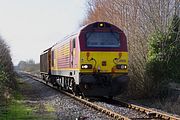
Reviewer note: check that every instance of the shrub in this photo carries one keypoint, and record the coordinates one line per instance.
(164, 59)
(7, 80)
(3, 79)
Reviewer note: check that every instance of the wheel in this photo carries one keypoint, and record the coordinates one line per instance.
(74, 89)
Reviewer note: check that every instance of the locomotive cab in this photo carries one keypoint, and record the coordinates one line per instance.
(103, 60)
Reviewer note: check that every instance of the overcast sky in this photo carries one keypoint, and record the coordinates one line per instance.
(31, 26)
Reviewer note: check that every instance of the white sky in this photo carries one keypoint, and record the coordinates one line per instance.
(31, 26)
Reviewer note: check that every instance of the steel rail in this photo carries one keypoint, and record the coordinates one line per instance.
(148, 111)
(110, 113)
(151, 113)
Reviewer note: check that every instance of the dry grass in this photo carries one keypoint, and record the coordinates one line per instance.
(169, 104)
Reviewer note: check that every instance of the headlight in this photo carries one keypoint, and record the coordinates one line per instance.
(123, 67)
(86, 66)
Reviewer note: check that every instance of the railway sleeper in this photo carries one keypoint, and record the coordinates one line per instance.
(151, 114)
(116, 116)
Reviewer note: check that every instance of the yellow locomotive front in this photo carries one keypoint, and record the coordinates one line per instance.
(103, 60)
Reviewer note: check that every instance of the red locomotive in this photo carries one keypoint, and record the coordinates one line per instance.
(92, 62)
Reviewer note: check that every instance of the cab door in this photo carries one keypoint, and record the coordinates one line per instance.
(73, 53)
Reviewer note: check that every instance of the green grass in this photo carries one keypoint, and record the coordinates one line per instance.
(49, 108)
(18, 109)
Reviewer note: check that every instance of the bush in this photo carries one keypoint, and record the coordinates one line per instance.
(3, 79)
(7, 80)
(164, 59)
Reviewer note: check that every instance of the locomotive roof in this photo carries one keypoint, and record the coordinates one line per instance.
(80, 29)
(84, 26)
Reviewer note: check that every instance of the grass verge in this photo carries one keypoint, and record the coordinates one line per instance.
(18, 109)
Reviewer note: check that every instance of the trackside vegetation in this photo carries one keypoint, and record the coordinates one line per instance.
(17, 109)
(9, 107)
(14, 110)
(164, 58)
(7, 79)
(12, 104)
(152, 30)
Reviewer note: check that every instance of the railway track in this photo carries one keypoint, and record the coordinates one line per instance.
(147, 113)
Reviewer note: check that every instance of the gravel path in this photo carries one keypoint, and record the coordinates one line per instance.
(59, 105)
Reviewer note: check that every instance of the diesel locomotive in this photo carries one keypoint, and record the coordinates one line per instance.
(91, 62)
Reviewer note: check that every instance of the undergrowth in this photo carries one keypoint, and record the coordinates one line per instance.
(17, 109)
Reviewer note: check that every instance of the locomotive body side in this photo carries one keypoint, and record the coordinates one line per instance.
(65, 62)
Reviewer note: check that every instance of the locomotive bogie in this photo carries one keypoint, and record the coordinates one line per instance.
(103, 84)
(68, 73)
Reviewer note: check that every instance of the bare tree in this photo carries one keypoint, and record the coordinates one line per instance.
(139, 19)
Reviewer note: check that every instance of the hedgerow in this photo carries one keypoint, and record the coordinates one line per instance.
(7, 80)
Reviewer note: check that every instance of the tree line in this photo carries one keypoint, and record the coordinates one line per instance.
(29, 66)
